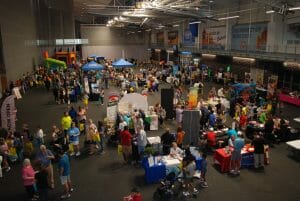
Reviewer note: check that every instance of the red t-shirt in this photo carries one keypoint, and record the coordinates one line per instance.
(137, 197)
(211, 138)
(125, 138)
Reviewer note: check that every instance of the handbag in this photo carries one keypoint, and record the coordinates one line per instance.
(120, 149)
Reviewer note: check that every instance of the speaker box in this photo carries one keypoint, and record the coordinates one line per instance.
(191, 126)
(167, 96)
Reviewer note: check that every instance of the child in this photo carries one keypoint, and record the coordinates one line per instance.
(203, 171)
(85, 101)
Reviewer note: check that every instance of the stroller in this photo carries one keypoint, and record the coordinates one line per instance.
(166, 192)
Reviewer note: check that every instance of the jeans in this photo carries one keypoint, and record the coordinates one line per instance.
(30, 191)
(43, 194)
(258, 160)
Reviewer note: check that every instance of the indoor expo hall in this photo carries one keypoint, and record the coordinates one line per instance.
(141, 100)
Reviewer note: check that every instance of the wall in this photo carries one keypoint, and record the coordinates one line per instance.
(25, 22)
(109, 42)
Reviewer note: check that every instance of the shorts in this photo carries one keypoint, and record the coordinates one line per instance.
(65, 179)
(236, 155)
(75, 142)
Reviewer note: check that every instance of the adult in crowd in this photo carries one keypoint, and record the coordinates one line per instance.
(73, 134)
(180, 136)
(41, 178)
(73, 114)
(64, 172)
(175, 151)
(259, 148)
(44, 156)
(141, 142)
(189, 171)
(203, 171)
(81, 119)
(4, 154)
(66, 122)
(269, 131)
(92, 131)
(166, 140)
(126, 140)
(212, 119)
(236, 156)
(211, 139)
(28, 175)
(39, 137)
(179, 114)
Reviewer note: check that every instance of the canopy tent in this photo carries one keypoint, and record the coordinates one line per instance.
(132, 101)
(92, 65)
(55, 64)
(93, 56)
(121, 63)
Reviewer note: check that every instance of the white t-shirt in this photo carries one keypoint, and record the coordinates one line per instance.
(176, 151)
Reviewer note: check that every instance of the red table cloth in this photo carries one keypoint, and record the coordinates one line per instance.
(289, 99)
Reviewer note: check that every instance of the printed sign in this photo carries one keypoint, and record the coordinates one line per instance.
(8, 113)
(214, 38)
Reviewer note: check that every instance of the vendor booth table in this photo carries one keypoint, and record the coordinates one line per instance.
(222, 158)
(155, 143)
(294, 148)
(157, 168)
(289, 99)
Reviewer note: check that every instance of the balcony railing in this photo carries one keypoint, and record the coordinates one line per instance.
(276, 52)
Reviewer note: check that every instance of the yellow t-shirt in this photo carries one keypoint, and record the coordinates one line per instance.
(66, 122)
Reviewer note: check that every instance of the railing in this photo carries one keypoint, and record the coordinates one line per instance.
(276, 52)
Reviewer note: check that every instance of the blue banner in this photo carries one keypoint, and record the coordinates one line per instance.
(190, 34)
(256, 41)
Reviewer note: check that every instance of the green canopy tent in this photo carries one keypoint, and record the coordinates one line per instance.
(55, 64)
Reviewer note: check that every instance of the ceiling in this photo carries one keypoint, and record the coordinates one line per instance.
(160, 13)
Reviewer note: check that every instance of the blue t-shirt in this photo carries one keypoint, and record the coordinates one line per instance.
(232, 132)
(74, 134)
(238, 144)
(64, 163)
(43, 157)
(212, 120)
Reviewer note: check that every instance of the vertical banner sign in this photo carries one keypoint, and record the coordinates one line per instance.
(272, 85)
(173, 38)
(193, 97)
(190, 34)
(257, 39)
(214, 38)
(8, 114)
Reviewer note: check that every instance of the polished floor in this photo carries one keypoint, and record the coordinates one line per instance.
(105, 178)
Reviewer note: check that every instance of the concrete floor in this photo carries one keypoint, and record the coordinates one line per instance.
(105, 178)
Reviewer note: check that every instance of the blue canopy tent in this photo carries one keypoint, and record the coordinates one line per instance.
(92, 65)
(121, 63)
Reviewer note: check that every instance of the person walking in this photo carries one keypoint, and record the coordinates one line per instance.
(73, 134)
(236, 156)
(141, 142)
(166, 140)
(66, 122)
(126, 140)
(28, 176)
(45, 156)
(64, 172)
(259, 148)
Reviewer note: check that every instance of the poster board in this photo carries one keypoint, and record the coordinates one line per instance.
(258, 77)
(214, 38)
(272, 85)
(9, 114)
(173, 37)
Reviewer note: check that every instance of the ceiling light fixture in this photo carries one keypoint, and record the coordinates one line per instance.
(295, 8)
(244, 59)
(148, 30)
(196, 22)
(231, 17)
(175, 25)
(270, 11)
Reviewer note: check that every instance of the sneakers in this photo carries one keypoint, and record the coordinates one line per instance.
(7, 169)
(204, 185)
(72, 154)
(77, 154)
(71, 190)
(66, 196)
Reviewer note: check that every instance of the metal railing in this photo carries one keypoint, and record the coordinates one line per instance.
(276, 52)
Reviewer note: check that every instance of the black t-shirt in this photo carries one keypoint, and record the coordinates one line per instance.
(41, 179)
(258, 144)
(269, 126)
(167, 139)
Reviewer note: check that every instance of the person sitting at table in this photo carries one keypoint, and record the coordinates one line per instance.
(166, 140)
(175, 151)
(236, 156)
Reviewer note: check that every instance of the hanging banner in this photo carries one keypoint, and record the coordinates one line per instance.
(272, 85)
(190, 34)
(175, 69)
(214, 38)
(8, 114)
(160, 37)
(193, 97)
(257, 40)
(173, 38)
(257, 75)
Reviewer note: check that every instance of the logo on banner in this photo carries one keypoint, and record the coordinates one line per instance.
(8, 114)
